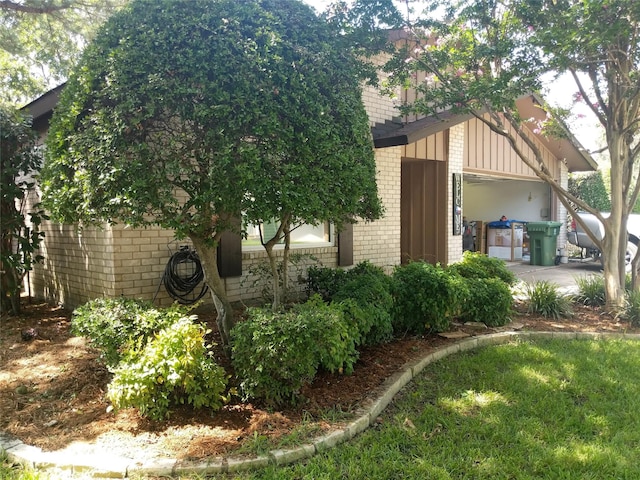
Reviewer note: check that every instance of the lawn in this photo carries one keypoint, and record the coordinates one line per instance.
(552, 409)
(524, 410)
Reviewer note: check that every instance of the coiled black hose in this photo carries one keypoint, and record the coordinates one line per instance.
(182, 275)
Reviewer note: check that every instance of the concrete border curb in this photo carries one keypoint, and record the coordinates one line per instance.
(105, 466)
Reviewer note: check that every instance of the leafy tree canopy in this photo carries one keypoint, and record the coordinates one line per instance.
(40, 41)
(212, 102)
(591, 189)
(188, 113)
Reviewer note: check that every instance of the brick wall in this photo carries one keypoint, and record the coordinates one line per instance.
(379, 241)
(455, 165)
(561, 211)
(78, 265)
(379, 108)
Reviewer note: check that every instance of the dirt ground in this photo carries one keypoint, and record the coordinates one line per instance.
(52, 391)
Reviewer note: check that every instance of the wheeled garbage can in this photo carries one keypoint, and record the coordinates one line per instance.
(543, 237)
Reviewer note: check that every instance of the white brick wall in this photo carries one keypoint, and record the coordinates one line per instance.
(379, 108)
(455, 164)
(379, 241)
(561, 211)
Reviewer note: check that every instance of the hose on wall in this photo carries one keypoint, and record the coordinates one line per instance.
(182, 275)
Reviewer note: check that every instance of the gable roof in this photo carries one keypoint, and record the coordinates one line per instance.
(42, 107)
(394, 133)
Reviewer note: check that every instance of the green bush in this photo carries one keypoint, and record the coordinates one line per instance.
(591, 290)
(112, 324)
(276, 354)
(425, 298)
(370, 289)
(489, 300)
(172, 368)
(325, 281)
(544, 298)
(479, 265)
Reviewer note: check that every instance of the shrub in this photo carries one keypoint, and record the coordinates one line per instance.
(591, 290)
(368, 303)
(112, 324)
(324, 281)
(367, 268)
(489, 300)
(172, 368)
(260, 278)
(425, 298)
(544, 298)
(632, 307)
(276, 354)
(327, 281)
(479, 265)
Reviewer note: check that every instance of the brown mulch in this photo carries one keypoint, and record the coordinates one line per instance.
(52, 391)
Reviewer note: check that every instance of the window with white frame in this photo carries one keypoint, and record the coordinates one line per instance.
(301, 236)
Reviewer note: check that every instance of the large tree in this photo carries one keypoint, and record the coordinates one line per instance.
(18, 244)
(480, 56)
(189, 114)
(40, 41)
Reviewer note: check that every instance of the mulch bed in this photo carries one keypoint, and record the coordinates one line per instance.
(52, 390)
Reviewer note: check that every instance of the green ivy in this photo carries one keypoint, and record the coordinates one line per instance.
(174, 368)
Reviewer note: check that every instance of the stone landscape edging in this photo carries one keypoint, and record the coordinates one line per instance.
(105, 466)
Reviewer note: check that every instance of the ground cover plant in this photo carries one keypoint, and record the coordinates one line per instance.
(540, 409)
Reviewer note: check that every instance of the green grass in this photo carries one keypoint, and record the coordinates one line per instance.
(552, 409)
(9, 471)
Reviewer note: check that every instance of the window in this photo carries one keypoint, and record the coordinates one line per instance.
(302, 236)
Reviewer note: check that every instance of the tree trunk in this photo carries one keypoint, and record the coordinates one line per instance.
(285, 263)
(209, 259)
(615, 240)
(275, 280)
(273, 263)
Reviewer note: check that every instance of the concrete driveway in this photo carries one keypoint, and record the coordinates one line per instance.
(564, 274)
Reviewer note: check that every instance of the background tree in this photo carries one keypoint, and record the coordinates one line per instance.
(191, 113)
(18, 244)
(40, 41)
(591, 189)
(487, 53)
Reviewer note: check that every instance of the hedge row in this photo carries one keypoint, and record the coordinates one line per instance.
(276, 354)
(159, 357)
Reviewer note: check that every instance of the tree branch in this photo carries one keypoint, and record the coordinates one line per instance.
(43, 9)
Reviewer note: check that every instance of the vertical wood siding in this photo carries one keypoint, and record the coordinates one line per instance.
(488, 152)
(434, 147)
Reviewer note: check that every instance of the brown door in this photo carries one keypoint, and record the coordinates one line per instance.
(423, 211)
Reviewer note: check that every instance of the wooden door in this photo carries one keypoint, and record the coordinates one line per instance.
(423, 211)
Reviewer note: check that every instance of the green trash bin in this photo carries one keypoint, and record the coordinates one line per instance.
(543, 237)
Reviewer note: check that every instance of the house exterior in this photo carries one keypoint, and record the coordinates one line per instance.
(431, 172)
